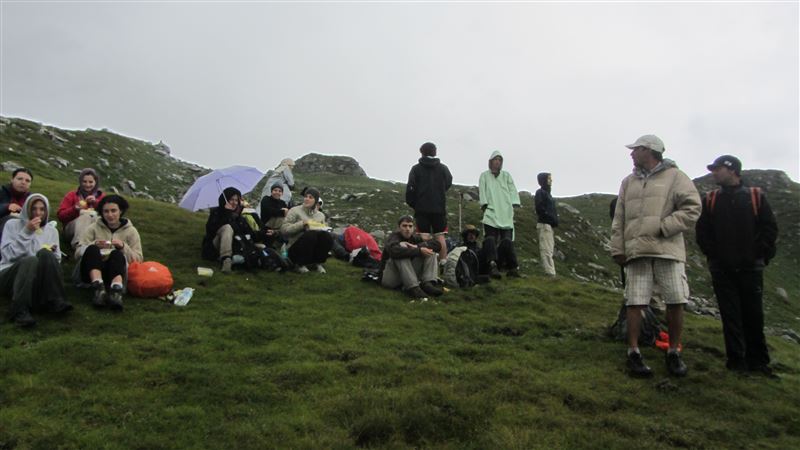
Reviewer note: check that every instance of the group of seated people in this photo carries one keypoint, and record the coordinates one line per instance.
(104, 242)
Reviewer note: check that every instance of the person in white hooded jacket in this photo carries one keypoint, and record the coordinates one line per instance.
(30, 269)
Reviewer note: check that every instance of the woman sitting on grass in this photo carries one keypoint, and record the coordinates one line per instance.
(77, 210)
(309, 240)
(273, 213)
(106, 249)
(30, 269)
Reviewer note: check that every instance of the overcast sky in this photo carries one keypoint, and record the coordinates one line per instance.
(555, 87)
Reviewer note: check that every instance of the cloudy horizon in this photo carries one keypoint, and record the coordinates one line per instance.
(555, 87)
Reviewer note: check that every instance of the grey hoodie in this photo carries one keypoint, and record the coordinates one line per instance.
(19, 242)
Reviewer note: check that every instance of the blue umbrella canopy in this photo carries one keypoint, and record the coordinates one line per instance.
(205, 191)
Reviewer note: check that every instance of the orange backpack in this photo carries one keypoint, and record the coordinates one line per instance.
(149, 279)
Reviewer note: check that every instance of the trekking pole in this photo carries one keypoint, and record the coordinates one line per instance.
(460, 201)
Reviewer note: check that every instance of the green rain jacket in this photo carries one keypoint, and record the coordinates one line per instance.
(499, 194)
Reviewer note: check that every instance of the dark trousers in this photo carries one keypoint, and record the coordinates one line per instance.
(739, 295)
(311, 248)
(114, 265)
(34, 282)
(504, 255)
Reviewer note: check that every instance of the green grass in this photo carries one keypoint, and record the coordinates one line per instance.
(263, 360)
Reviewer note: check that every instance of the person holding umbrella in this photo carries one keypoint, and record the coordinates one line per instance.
(223, 223)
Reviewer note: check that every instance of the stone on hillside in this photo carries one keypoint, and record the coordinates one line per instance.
(113, 188)
(162, 148)
(104, 162)
(339, 165)
(470, 196)
(172, 199)
(5, 121)
(378, 235)
(196, 169)
(782, 293)
(61, 162)
(10, 166)
(559, 255)
(105, 151)
(569, 208)
(43, 162)
(128, 187)
(131, 162)
(597, 267)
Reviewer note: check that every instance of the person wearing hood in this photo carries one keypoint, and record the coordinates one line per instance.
(656, 204)
(14, 194)
(283, 176)
(77, 210)
(273, 212)
(305, 228)
(426, 190)
(224, 222)
(30, 269)
(498, 198)
(106, 249)
(547, 220)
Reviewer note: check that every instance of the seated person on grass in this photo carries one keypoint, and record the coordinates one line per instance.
(106, 249)
(14, 194)
(273, 212)
(309, 239)
(491, 255)
(410, 261)
(223, 223)
(30, 269)
(77, 210)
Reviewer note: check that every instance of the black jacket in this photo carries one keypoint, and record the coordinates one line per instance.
(272, 208)
(427, 186)
(6, 196)
(393, 248)
(732, 236)
(545, 204)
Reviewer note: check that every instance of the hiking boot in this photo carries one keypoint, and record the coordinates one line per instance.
(60, 307)
(494, 272)
(99, 295)
(227, 266)
(637, 367)
(114, 299)
(321, 269)
(301, 269)
(675, 365)
(24, 319)
(416, 292)
(514, 273)
(431, 289)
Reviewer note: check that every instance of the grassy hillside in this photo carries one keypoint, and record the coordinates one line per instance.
(264, 360)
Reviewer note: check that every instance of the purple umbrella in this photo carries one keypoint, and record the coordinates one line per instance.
(204, 193)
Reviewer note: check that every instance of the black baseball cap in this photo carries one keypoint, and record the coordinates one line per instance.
(729, 161)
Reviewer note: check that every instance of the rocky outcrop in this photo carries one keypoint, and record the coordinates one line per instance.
(339, 165)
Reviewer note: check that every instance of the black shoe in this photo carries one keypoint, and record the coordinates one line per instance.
(431, 289)
(637, 367)
(514, 273)
(675, 365)
(114, 298)
(60, 307)
(416, 292)
(766, 371)
(99, 295)
(24, 319)
(494, 272)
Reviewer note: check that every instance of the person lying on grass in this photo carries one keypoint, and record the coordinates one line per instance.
(30, 269)
(106, 249)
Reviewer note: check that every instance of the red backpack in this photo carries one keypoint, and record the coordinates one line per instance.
(755, 199)
(149, 279)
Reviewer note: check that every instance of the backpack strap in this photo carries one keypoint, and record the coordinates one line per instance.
(711, 200)
(755, 199)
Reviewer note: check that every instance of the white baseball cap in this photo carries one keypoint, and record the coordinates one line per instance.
(650, 141)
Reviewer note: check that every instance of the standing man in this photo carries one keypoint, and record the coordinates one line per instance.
(737, 232)
(426, 191)
(498, 198)
(548, 219)
(656, 204)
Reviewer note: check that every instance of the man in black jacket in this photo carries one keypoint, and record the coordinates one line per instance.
(223, 223)
(548, 219)
(427, 187)
(737, 233)
(408, 259)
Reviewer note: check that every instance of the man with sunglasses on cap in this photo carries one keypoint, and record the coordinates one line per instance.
(656, 204)
(737, 233)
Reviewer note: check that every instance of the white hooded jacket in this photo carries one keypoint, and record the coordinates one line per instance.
(19, 242)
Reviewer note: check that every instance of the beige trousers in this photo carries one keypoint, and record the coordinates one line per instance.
(223, 241)
(408, 272)
(546, 246)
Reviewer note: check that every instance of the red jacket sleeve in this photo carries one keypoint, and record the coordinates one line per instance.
(66, 211)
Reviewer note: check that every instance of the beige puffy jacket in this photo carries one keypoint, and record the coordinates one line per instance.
(653, 212)
(293, 226)
(98, 231)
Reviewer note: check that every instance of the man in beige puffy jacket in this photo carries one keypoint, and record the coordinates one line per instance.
(657, 203)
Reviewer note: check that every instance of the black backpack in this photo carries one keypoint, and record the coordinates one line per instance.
(651, 326)
(244, 246)
(461, 268)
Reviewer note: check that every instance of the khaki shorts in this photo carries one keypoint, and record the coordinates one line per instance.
(643, 274)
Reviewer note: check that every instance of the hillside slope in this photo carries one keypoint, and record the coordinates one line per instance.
(263, 360)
